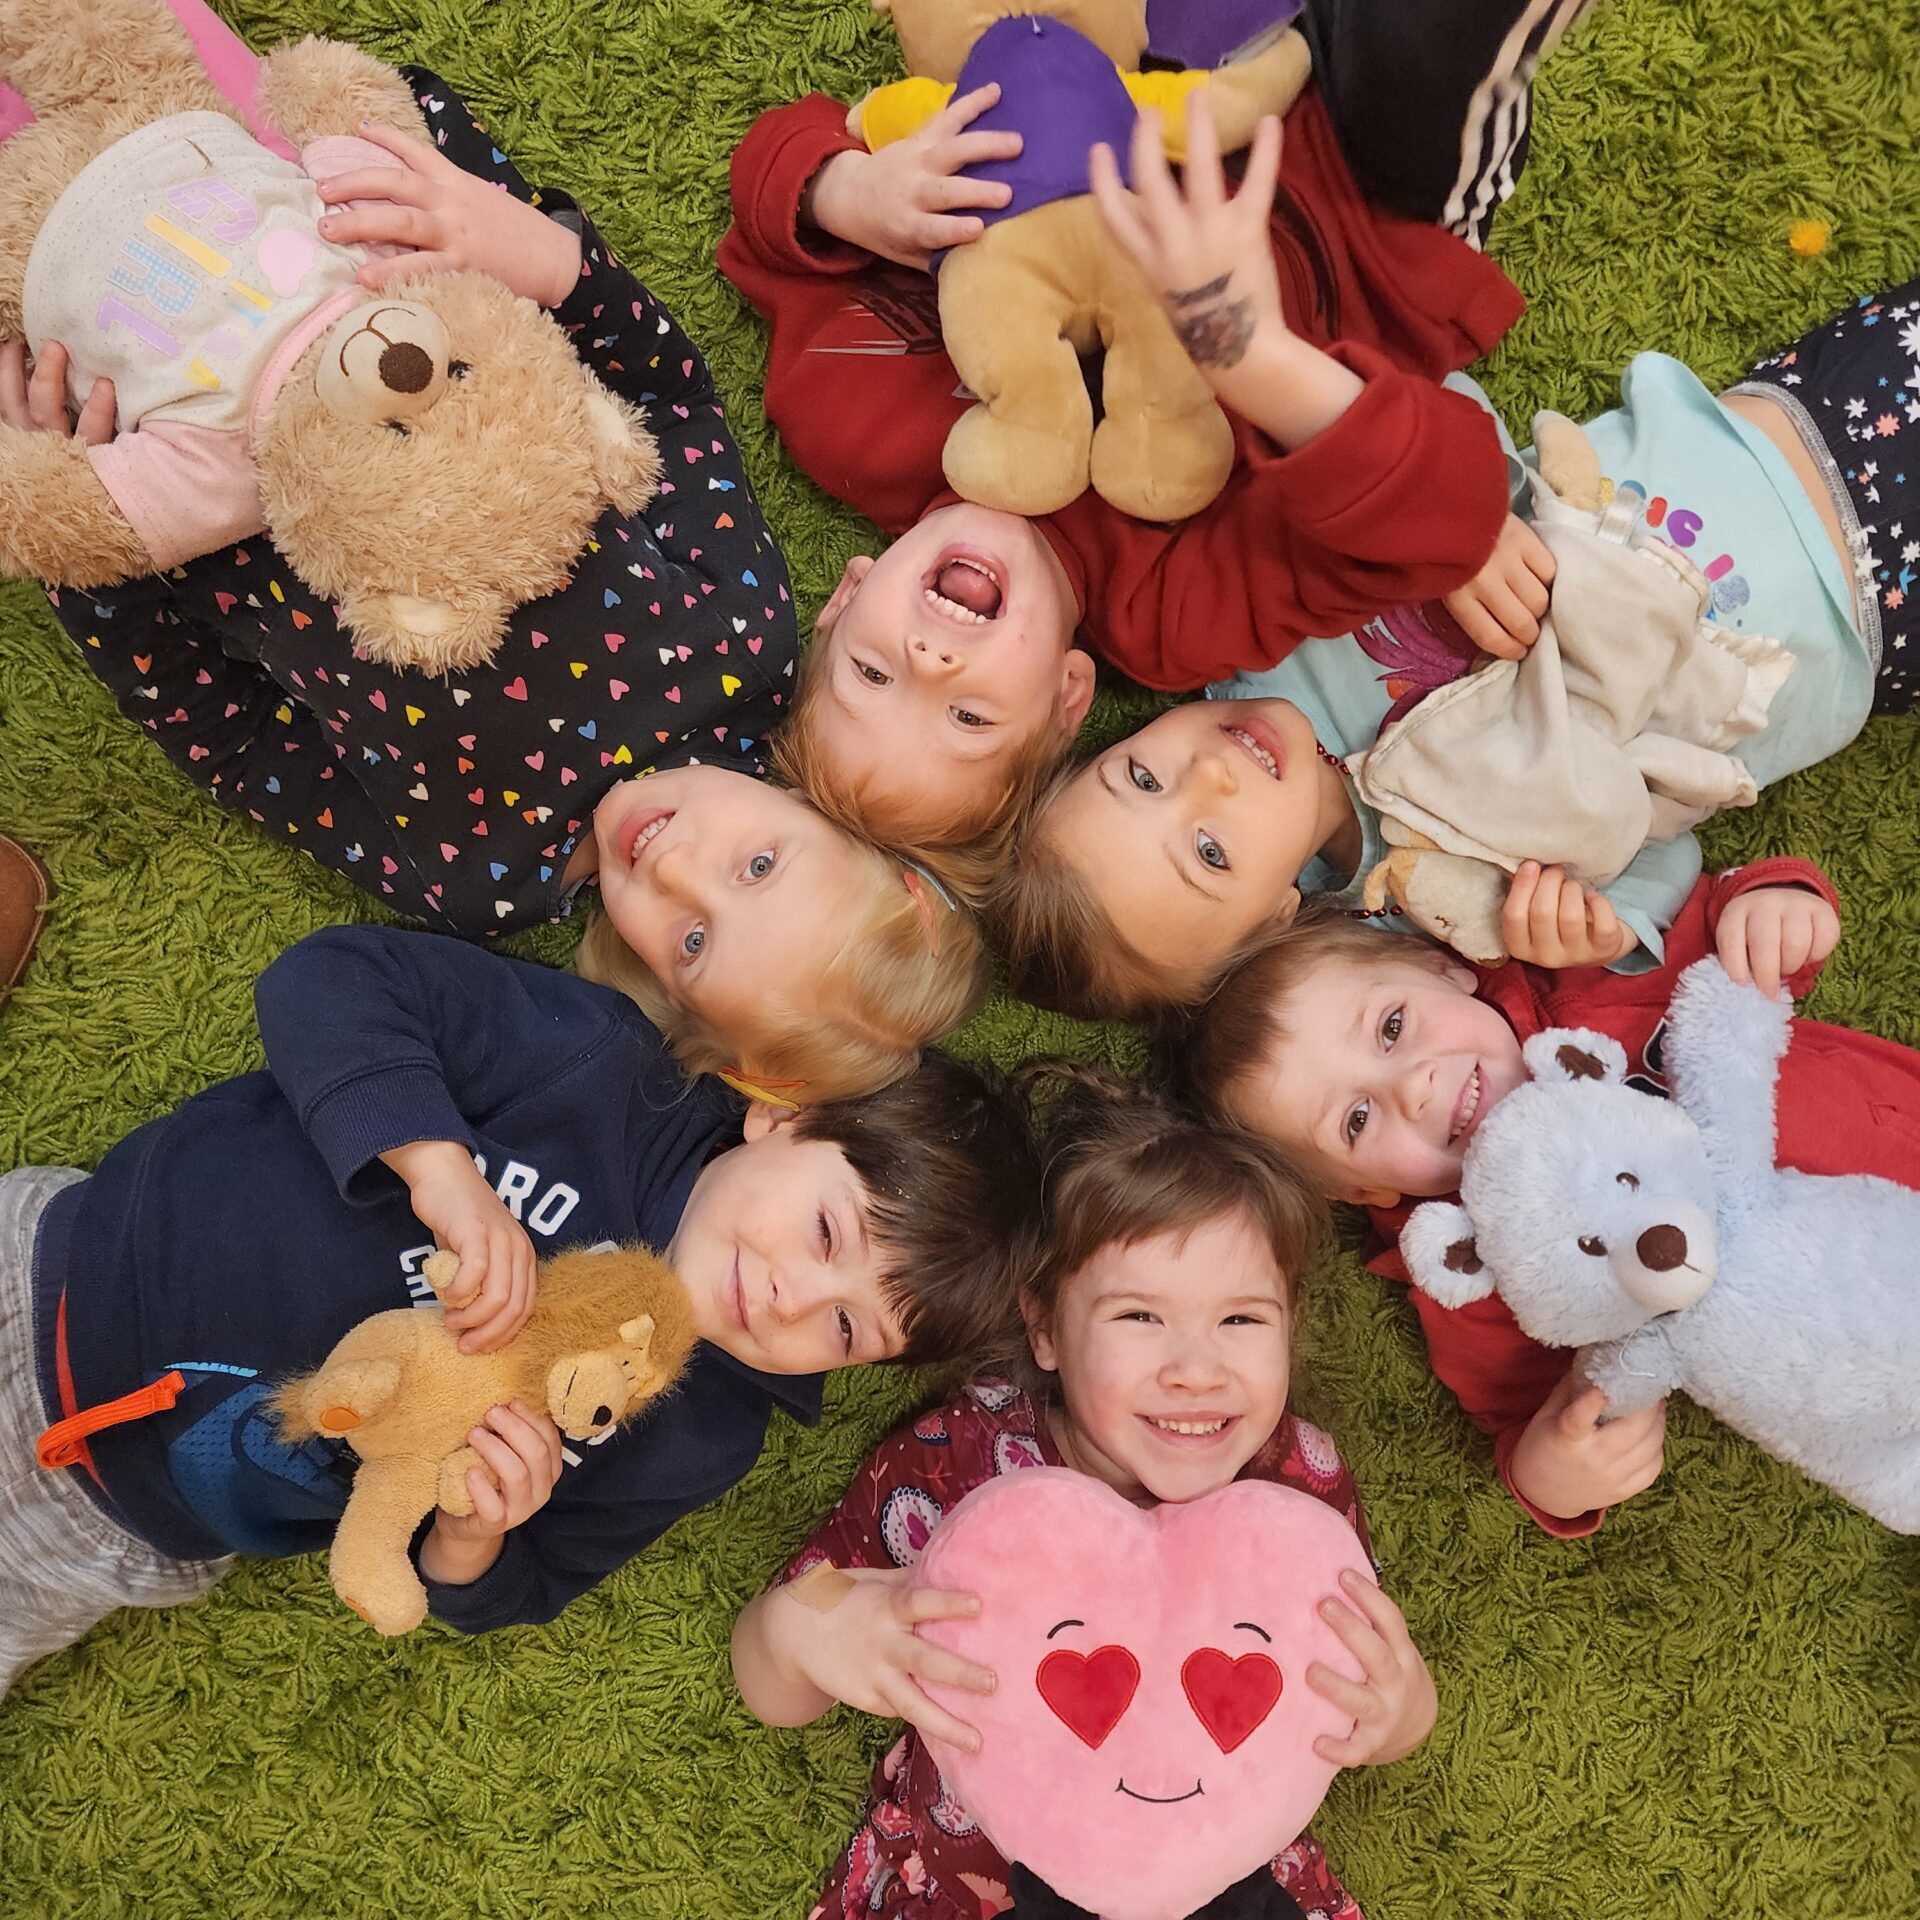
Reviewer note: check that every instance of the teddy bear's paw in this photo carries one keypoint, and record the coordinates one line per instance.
(57, 522)
(1015, 466)
(434, 637)
(318, 87)
(390, 1612)
(1456, 899)
(1162, 467)
(94, 53)
(455, 1497)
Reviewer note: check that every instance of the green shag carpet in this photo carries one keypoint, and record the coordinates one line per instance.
(1712, 1709)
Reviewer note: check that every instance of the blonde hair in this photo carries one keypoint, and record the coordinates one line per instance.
(903, 974)
(966, 851)
(1061, 946)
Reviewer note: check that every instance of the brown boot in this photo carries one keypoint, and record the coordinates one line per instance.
(23, 906)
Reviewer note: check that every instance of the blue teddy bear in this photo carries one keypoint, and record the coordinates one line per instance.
(1659, 1237)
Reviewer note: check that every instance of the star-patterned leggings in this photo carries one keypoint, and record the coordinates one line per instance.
(1856, 381)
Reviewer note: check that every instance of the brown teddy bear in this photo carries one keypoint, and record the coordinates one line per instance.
(427, 462)
(1046, 282)
(609, 1332)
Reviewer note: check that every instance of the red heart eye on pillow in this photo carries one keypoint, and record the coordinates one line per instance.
(1089, 1691)
(1230, 1697)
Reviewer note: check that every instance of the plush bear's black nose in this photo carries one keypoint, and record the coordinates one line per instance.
(1661, 1249)
(601, 1415)
(405, 368)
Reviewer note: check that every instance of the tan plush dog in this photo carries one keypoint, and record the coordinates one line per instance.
(426, 462)
(1046, 282)
(609, 1333)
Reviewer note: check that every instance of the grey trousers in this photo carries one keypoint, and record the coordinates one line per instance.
(64, 1566)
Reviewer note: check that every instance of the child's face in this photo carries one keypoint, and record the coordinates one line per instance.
(1166, 1335)
(1387, 1071)
(725, 887)
(943, 659)
(1192, 832)
(775, 1250)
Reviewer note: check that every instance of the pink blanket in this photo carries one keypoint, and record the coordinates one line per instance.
(229, 60)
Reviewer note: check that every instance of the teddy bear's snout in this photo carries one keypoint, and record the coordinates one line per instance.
(1669, 1265)
(385, 364)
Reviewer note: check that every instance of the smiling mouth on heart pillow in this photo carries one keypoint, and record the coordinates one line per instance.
(1151, 1739)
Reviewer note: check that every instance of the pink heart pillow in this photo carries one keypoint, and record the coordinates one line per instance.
(1151, 1739)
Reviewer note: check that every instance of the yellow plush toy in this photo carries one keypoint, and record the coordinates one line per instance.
(428, 462)
(609, 1333)
(1046, 282)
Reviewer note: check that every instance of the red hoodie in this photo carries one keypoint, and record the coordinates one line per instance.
(1400, 500)
(1847, 1103)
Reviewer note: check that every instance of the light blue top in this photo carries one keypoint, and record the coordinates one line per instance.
(1720, 491)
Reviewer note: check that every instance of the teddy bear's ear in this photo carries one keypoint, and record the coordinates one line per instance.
(1442, 1255)
(626, 462)
(403, 631)
(1566, 1054)
(638, 1332)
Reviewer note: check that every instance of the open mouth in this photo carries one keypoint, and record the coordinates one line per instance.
(1467, 1108)
(1159, 1800)
(967, 588)
(1261, 745)
(1192, 1430)
(641, 831)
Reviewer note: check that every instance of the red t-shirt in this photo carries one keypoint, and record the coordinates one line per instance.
(917, 1851)
(1847, 1103)
(1400, 500)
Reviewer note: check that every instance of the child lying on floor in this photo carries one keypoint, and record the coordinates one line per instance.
(1141, 874)
(1373, 1059)
(943, 683)
(1166, 1293)
(422, 1092)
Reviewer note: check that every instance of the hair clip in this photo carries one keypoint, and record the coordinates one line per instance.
(763, 1091)
(918, 880)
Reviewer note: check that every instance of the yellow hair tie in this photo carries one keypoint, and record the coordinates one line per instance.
(752, 1090)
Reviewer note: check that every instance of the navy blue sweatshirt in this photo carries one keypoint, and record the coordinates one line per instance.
(237, 1238)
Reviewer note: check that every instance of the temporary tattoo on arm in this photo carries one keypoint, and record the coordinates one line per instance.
(1214, 336)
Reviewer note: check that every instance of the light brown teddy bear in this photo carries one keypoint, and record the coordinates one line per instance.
(1046, 282)
(426, 462)
(609, 1332)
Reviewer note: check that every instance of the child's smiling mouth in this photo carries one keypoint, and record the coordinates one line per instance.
(1191, 1431)
(1262, 747)
(1466, 1108)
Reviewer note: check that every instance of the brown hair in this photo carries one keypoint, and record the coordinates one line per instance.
(1122, 1164)
(952, 1197)
(1209, 1051)
(965, 852)
(910, 969)
(1061, 947)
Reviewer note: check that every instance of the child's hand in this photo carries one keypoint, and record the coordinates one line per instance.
(1501, 606)
(1206, 254)
(453, 220)
(39, 404)
(1768, 935)
(1395, 1706)
(906, 202)
(863, 1650)
(1554, 921)
(1572, 1460)
(522, 1450)
(489, 1299)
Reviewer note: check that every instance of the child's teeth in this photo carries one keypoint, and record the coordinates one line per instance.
(1190, 1426)
(953, 609)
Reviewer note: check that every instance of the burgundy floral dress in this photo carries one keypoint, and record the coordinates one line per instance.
(917, 1855)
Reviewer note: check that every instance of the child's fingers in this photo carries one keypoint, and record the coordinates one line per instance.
(1570, 913)
(936, 1603)
(1603, 924)
(1796, 942)
(961, 111)
(13, 386)
(1153, 187)
(945, 193)
(945, 1668)
(467, 1278)
(489, 1513)
(383, 223)
(95, 425)
(1765, 957)
(1350, 1696)
(415, 154)
(1534, 553)
(1582, 1414)
(1730, 943)
(393, 184)
(976, 149)
(1479, 625)
(1354, 1751)
(1206, 189)
(1262, 173)
(1368, 1598)
(47, 390)
(533, 1438)
(911, 1705)
(1118, 207)
(1519, 624)
(1359, 1636)
(1515, 916)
